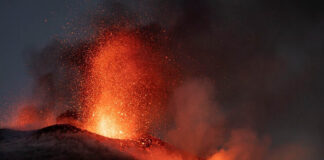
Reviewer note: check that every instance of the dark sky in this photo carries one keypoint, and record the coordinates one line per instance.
(265, 56)
(22, 25)
(28, 25)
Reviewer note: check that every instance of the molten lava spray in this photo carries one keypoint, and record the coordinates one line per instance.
(124, 87)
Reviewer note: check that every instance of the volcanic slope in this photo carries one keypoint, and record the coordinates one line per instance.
(63, 141)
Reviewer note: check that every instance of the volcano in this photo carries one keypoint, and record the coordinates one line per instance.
(64, 141)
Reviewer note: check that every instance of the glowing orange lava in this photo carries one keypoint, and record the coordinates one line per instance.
(122, 88)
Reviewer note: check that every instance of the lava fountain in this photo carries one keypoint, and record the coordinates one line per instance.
(124, 87)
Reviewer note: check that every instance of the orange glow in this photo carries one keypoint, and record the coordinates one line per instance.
(27, 117)
(122, 89)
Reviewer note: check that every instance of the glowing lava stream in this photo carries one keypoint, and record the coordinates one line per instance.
(117, 88)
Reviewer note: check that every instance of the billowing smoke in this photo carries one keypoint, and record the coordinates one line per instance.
(202, 127)
(248, 77)
(198, 121)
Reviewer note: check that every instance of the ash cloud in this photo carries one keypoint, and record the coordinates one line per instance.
(263, 59)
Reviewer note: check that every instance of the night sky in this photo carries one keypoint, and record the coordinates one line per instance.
(265, 58)
(28, 25)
